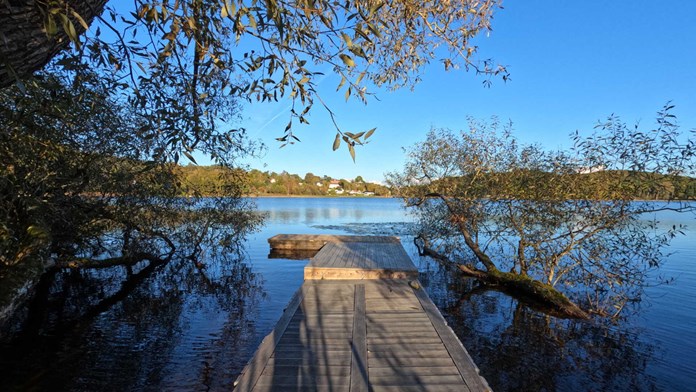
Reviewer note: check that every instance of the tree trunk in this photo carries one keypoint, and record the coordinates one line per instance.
(25, 47)
(524, 285)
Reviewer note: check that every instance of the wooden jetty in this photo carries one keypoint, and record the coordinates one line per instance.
(371, 329)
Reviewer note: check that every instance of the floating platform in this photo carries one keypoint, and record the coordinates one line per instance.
(348, 257)
(371, 334)
(316, 241)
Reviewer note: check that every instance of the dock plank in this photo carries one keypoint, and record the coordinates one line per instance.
(350, 257)
(411, 371)
(419, 379)
(256, 366)
(316, 241)
(460, 356)
(369, 330)
(359, 366)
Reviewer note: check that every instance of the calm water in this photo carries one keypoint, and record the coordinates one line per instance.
(177, 328)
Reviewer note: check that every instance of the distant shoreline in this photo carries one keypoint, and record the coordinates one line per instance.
(271, 196)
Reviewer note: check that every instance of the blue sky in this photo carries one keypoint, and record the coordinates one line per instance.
(571, 64)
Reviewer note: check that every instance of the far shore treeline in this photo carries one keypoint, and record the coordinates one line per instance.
(210, 181)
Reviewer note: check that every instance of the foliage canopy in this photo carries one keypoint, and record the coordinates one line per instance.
(74, 184)
(185, 64)
(558, 221)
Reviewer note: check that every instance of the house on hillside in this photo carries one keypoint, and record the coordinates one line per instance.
(334, 184)
(591, 169)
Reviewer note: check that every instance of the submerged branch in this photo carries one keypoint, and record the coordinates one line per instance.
(125, 260)
(524, 285)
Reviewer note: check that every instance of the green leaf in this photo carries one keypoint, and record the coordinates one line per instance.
(190, 157)
(231, 8)
(50, 26)
(37, 232)
(79, 19)
(347, 60)
(374, 30)
(360, 77)
(358, 51)
(364, 35)
(69, 29)
(347, 39)
(337, 141)
(343, 81)
(351, 150)
(369, 133)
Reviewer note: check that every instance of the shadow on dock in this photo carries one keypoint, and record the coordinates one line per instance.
(370, 334)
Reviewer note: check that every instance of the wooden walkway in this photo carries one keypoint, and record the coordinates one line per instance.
(317, 241)
(361, 335)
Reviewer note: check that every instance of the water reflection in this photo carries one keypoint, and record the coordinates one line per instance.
(160, 327)
(520, 349)
(178, 327)
(311, 211)
(311, 216)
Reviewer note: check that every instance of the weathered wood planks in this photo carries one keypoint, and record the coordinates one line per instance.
(316, 241)
(339, 337)
(368, 334)
(346, 257)
(361, 260)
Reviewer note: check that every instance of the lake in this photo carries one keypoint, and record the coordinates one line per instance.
(180, 328)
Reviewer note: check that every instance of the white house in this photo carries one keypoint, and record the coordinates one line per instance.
(592, 169)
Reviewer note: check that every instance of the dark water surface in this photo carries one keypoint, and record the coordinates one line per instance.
(176, 328)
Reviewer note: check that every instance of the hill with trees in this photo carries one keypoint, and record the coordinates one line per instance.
(214, 180)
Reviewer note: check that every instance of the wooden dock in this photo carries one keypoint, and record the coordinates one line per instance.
(316, 241)
(367, 334)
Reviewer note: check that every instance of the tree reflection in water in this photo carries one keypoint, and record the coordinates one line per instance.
(519, 348)
(175, 325)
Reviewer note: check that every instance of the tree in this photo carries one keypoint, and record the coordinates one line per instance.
(560, 227)
(185, 64)
(32, 36)
(75, 186)
(310, 178)
(174, 73)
